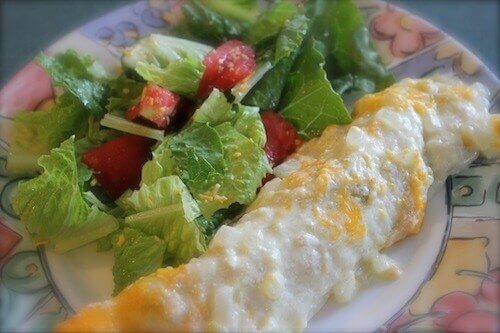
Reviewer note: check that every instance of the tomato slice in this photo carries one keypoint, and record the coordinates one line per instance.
(117, 164)
(282, 137)
(225, 66)
(158, 105)
(133, 112)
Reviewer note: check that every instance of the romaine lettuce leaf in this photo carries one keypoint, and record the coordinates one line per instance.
(166, 210)
(181, 76)
(219, 165)
(291, 37)
(353, 63)
(310, 103)
(95, 135)
(247, 121)
(136, 254)
(124, 93)
(53, 208)
(159, 166)
(184, 239)
(266, 93)
(163, 192)
(246, 164)
(210, 225)
(198, 157)
(239, 10)
(161, 50)
(270, 22)
(105, 243)
(214, 110)
(80, 75)
(124, 125)
(36, 133)
(201, 23)
(170, 62)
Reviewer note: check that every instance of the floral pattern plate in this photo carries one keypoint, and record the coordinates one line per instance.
(451, 269)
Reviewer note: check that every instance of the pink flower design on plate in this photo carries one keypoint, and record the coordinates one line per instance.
(407, 34)
(26, 90)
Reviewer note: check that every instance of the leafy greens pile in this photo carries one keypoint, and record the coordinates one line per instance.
(309, 57)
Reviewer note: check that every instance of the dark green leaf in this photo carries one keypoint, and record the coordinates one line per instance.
(80, 75)
(352, 61)
(309, 102)
(205, 25)
(267, 92)
(270, 22)
(210, 225)
(239, 10)
(124, 92)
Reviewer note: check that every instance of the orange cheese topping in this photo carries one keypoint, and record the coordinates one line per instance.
(495, 122)
(90, 319)
(414, 96)
(354, 225)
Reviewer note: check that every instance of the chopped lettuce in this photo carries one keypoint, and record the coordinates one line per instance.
(247, 121)
(105, 243)
(136, 254)
(266, 93)
(122, 124)
(85, 88)
(80, 75)
(206, 25)
(124, 92)
(167, 210)
(162, 50)
(219, 156)
(198, 157)
(181, 76)
(246, 164)
(163, 192)
(310, 103)
(53, 208)
(353, 63)
(219, 165)
(184, 239)
(95, 135)
(214, 110)
(239, 10)
(210, 225)
(159, 166)
(36, 133)
(290, 39)
(270, 22)
(170, 62)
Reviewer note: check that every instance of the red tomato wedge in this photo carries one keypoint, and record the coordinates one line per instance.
(225, 66)
(133, 112)
(282, 137)
(117, 164)
(157, 105)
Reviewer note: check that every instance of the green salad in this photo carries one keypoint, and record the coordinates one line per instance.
(150, 163)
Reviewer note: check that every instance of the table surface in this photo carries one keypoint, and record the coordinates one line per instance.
(26, 27)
